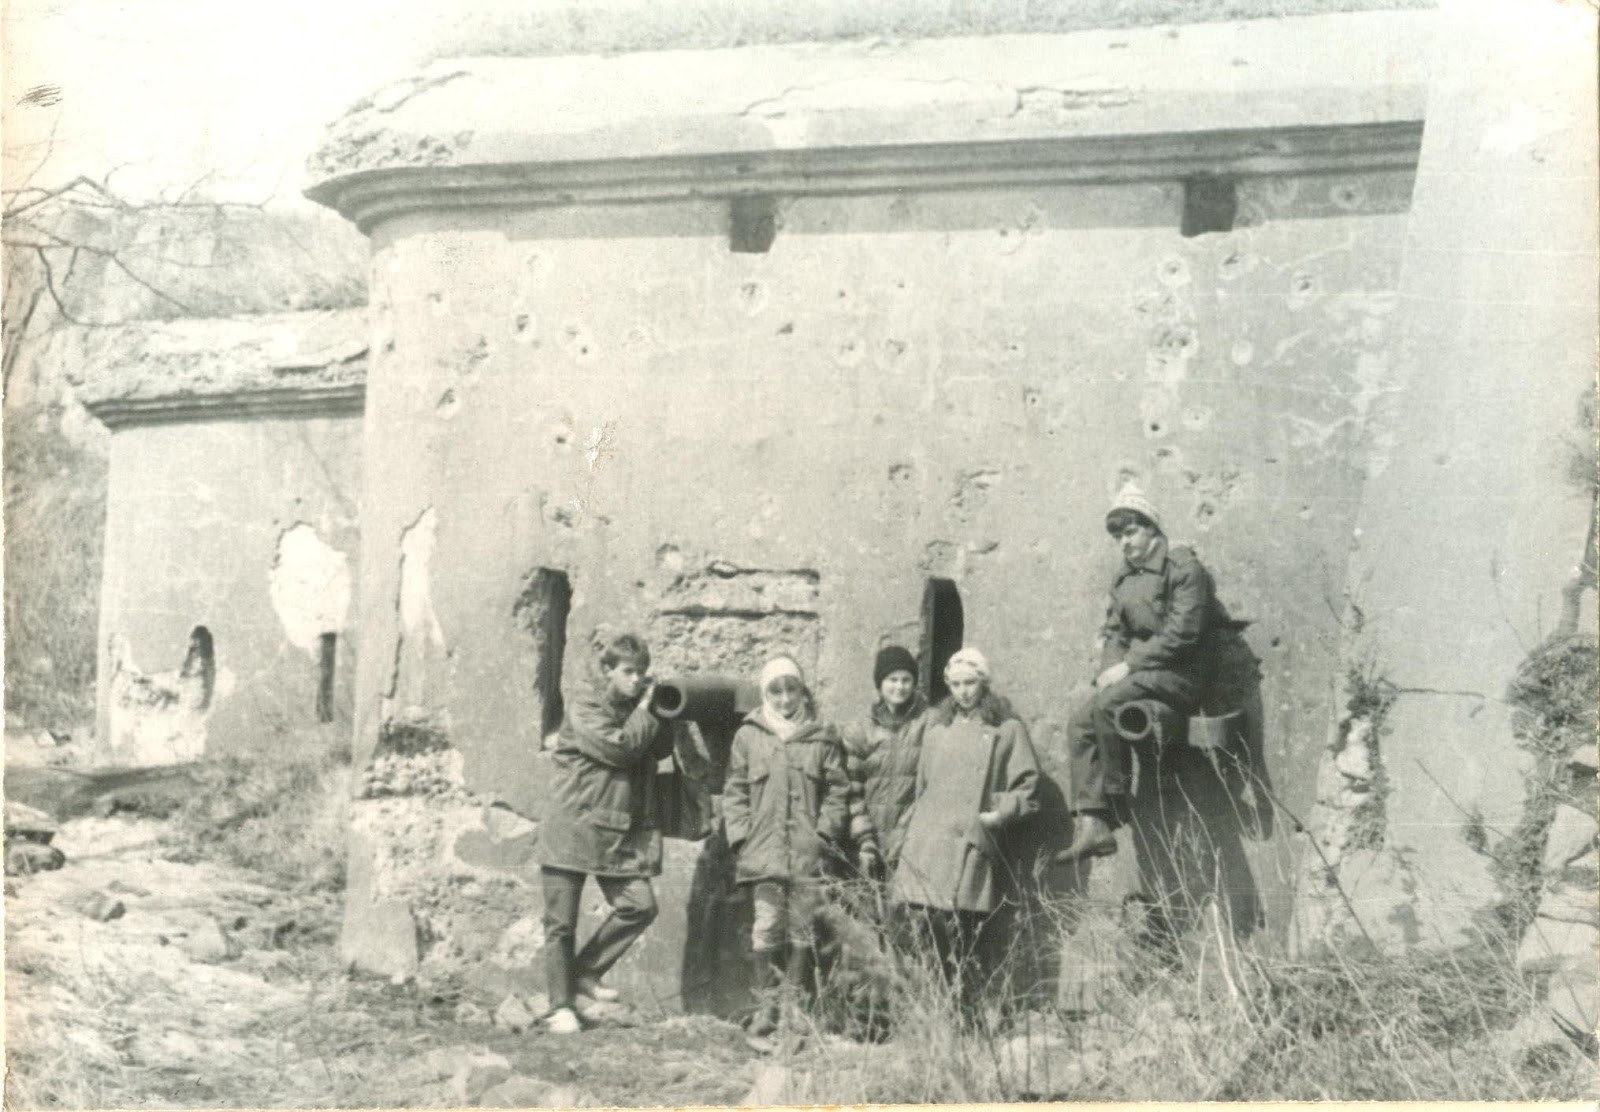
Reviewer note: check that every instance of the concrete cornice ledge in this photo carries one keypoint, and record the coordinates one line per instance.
(1310, 93)
(298, 364)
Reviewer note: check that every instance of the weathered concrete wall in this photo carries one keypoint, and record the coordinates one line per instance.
(249, 528)
(232, 528)
(1473, 529)
(741, 453)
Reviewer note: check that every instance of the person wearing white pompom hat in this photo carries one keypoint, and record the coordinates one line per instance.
(1161, 618)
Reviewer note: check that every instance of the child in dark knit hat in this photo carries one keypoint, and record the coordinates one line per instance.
(881, 750)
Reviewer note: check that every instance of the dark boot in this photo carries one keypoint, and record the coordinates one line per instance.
(801, 973)
(1092, 836)
(798, 993)
(764, 1020)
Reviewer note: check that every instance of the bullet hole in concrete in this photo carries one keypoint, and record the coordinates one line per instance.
(1154, 428)
(1031, 398)
(542, 611)
(943, 629)
(752, 297)
(523, 325)
(1203, 513)
(1347, 195)
(899, 472)
(669, 558)
(327, 653)
(1276, 642)
(1302, 289)
(1210, 204)
(752, 225)
(787, 329)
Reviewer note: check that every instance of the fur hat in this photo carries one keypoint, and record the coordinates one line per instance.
(1130, 497)
(891, 659)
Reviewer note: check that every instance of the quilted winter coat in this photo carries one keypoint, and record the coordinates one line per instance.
(784, 802)
(602, 807)
(974, 763)
(880, 755)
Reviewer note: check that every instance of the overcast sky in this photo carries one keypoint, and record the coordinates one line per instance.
(175, 90)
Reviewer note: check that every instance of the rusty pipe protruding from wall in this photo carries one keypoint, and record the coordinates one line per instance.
(1145, 719)
(717, 701)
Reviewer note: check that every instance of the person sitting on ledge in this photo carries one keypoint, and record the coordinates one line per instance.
(1162, 615)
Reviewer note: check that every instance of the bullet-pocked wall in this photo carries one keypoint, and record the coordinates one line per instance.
(765, 423)
(232, 535)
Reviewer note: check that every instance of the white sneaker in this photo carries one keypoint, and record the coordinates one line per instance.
(563, 1021)
(594, 990)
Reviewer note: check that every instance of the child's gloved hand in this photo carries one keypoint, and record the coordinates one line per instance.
(989, 820)
(871, 864)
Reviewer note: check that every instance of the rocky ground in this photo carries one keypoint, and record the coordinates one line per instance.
(184, 953)
(134, 980)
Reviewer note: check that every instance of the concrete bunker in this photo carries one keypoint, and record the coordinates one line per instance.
(988, 280)
(231, 529)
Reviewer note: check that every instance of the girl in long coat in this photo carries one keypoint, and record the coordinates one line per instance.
(977, 778)
(785, 805)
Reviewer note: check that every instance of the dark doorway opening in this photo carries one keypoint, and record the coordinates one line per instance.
(542, 611)
(327, 654)
(201, 662)
(943, 628)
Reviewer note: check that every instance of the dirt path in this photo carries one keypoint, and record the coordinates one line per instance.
(210, 988)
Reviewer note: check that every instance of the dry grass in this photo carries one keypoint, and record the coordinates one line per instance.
(619, 26)
(284, 816)
(1217, 1021)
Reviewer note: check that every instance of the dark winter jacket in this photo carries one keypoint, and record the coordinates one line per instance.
(1165, 618)
(880, 756)
(785, 803)
(602, 807)
(982, 761)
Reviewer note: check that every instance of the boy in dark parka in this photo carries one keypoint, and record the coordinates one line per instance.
(602, 823)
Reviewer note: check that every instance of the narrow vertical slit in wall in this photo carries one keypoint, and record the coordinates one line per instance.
(943, 627)
(542, 611)
(1210, 204)
(200, 662)
(752, 225)
(327, 654)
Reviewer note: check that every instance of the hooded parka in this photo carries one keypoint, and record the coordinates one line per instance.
(880, 754)
(979, 761)
(784, 800)
(602, 818)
